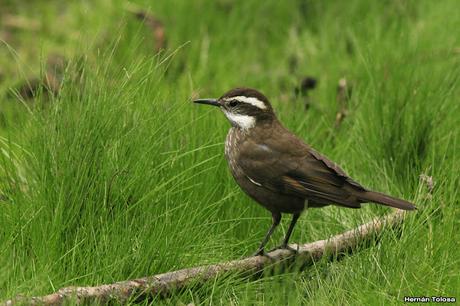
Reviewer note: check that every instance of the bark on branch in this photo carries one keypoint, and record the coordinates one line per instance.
(162, 284)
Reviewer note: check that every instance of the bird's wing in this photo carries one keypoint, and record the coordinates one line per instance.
(284, 164)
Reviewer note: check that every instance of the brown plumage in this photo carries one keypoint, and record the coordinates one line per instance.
(279, 170)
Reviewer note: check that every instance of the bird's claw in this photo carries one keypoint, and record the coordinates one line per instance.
(286, 247)
(260, 252)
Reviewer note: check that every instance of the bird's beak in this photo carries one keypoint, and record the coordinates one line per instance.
(207, 101)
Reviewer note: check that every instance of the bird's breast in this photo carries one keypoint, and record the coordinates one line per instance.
(232, 150)
(237, 145)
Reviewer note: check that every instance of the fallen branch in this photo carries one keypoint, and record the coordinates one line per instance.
(162, 284)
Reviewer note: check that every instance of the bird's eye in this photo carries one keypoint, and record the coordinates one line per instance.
(233, 103)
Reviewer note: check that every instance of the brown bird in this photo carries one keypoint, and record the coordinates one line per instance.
(279, 170)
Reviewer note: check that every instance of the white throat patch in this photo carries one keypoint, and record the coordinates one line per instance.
(249, 100)
(242, 121)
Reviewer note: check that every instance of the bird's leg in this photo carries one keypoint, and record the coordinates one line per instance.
(294, 219)
(276, 218)
(285, 245)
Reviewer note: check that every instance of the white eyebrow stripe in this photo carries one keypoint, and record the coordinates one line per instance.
(249, 100)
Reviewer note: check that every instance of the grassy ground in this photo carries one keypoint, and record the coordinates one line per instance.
(120, 176)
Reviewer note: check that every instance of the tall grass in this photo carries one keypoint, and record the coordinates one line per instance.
(120, 176)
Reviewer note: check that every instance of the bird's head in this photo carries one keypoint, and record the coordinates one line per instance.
(243, 107)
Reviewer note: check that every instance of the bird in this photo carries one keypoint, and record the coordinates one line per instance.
(279, 170)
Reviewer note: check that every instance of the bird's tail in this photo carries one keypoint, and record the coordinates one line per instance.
(380, 198)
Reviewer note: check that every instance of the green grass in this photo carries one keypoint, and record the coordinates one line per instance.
(120, 176)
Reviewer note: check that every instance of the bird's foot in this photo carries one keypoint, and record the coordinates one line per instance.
(260, 252)
(286, 247)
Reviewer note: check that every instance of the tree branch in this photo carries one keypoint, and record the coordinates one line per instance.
(162, 284)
